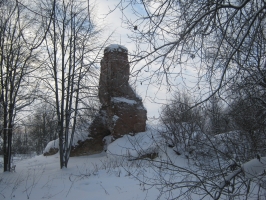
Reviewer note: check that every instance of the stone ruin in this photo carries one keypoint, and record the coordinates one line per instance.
(122, 111)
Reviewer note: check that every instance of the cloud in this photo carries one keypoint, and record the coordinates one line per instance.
(153, 92)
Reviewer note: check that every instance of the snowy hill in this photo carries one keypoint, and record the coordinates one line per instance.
(85, 178)
(92, 177)
(133, 167)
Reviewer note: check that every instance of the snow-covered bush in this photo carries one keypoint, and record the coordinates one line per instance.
(248, 116)
(181, 124)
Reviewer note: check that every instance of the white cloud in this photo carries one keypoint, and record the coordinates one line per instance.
(111, 20)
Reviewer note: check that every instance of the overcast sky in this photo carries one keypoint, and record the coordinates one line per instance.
(113, 23)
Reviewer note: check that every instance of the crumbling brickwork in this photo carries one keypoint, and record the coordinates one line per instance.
(122, 111)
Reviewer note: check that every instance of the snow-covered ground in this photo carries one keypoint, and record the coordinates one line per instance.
(98, 176)
(125, 172)
(85, 178)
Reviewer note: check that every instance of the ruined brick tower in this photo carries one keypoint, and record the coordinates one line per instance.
(122, 111)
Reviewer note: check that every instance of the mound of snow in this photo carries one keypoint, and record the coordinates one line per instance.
(78, 136)
(134, 146)
(254, 167)
(54, 144)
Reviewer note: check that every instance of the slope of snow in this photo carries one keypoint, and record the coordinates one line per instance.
(94, 177)
(115, 174)
(134, 146)
(85, 178)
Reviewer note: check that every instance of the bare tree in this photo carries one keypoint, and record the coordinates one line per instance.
(182, 123)
(218, 121)
(72, 47)
(223, 41)
(18, 42)
(41, 126)
(20, 141)
(249, 118)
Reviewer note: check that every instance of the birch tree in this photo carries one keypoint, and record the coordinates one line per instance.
(70, 74)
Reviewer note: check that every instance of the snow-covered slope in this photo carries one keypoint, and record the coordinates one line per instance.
(127, 170)
(94, 177)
